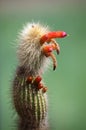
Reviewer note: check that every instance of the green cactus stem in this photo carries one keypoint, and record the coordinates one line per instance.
(30, 102)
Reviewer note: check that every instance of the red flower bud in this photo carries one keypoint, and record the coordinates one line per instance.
(44, 89)
(47, 49)
(40, 85)
(37, 80)
(29, 79)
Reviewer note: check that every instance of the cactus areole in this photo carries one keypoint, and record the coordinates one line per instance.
(35, 48)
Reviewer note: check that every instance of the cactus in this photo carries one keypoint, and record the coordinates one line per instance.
(29, 92)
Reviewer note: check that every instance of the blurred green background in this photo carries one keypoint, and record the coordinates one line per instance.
(67, 85)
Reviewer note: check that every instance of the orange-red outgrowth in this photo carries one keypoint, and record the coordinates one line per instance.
(57, 34)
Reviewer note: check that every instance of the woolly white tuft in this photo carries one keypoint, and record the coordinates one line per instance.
(29, 50)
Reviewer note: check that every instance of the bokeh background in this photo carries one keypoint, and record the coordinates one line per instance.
(66, 85)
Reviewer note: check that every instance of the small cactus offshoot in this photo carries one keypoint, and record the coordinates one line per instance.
(36, 45)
